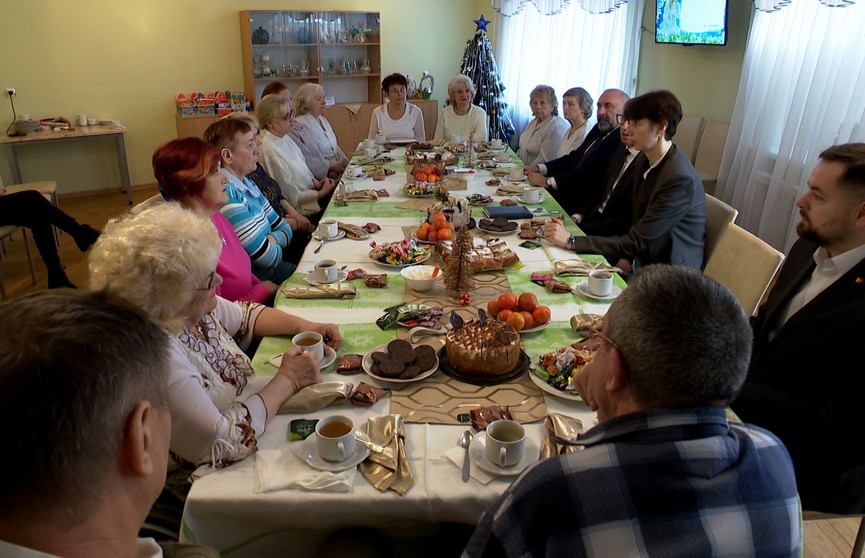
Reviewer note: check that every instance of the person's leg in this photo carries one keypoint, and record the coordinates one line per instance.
(30, 209)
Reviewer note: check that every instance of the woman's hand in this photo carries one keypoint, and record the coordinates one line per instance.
(300, 368)
(556, 233)
(330, 333)
(325, 186)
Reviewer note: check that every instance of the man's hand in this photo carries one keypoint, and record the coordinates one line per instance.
(537, 179)
(556, 233)
(531, 168)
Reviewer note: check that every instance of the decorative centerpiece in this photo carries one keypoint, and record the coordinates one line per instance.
(426, 85)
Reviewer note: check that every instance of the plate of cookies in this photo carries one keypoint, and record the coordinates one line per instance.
(400, 362)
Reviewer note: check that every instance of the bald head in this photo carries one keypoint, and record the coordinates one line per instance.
(610, 103)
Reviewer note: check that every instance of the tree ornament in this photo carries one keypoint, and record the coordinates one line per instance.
(459, 275)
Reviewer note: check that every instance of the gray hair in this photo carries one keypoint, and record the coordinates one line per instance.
(73, 365)
(548, 92)
(156, 259)
(271, 107)
(455, 82)
(683, 336)
(303, 96)
(584, 100)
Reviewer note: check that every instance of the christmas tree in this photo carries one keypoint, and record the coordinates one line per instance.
(479, 65)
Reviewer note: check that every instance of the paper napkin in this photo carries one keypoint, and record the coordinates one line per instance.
(279, 469)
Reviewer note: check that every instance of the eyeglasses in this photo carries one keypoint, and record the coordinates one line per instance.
(594, 330)
(209, 282)
(620, 119)
(396, 91)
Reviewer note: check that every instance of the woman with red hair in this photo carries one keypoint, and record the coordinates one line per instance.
(188, 172)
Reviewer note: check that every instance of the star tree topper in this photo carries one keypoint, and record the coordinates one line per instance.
(481, 23)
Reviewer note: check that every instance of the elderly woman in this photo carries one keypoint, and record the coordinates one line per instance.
(461, 117)
(542, 137)
(276, 88)
(284, 161)
(164, 260)
(314, 135)
(577, 107)
(396, 119)
(188, 171)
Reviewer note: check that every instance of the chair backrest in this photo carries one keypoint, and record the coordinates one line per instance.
(155, 199)
(718, 216)
(711, 148)
(686, 134)
(745, 264)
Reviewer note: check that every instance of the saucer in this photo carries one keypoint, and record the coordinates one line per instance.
(329, 358)
(343, 275)
(540, 200)
(583, 288)
(476, 453)
(305, 450)
(340, 234)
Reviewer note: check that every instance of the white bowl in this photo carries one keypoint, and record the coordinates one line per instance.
(419, 277)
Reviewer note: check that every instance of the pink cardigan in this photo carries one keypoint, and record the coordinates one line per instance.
(238, 282)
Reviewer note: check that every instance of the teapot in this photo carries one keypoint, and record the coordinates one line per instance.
(260, 36)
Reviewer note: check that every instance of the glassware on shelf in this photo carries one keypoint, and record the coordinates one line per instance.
(365, 67)
(304, 68)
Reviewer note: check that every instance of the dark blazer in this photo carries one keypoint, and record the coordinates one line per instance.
(806, 384)
(580, 179)
(669, 217)
(618, 213)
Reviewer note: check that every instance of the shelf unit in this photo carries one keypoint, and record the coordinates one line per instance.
(339, 50)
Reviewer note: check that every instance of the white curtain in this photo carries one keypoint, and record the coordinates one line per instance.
(572, 49)
(550, 7)
(801, 90)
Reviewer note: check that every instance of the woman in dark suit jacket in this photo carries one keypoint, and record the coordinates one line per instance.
(669, 203)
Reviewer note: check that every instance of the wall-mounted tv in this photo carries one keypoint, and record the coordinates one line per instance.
(691, 22)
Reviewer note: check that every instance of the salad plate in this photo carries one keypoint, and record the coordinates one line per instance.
(551, 390)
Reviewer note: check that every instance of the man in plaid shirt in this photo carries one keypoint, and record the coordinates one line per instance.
(663, 473)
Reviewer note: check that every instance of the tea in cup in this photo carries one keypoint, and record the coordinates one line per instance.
(505, 443)
(310, 342)
(328, 228)
(531, 194)
(600, 282)
(334, 438)
(503, 157)
(325, 271)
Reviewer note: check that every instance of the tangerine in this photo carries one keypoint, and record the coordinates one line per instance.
(493, 308)
(423, 231)
(530, 320)
(508, 301)
(433, 236)
(541, 314)
(445, 234)
(502, 316)
(517, 320)
(528, 302)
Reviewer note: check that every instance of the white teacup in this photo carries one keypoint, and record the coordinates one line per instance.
(334, 438)
(531, 194)
(505, 443)
(370, 152)
(369, 142)
(503, 157)
(328, 228)
(458, 139)
(381, 139)
(354, 171)
(517, 173)
(310, 342)
(600, 282)
(496, 143)
(325, 271)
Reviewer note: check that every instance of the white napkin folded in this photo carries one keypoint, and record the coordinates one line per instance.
(278, 469)
(457, 455)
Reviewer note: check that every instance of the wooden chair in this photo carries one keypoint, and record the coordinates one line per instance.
(859, 542)
(686, 134)
(6, 232)
(709, 152)
(745, 264)
(718, 216)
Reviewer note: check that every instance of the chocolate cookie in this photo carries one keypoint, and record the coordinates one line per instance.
(398, 346)
(411, 372)
(425, 357)
(391, 369)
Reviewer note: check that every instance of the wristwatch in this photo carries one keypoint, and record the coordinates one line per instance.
(552, 184)
(572, 243)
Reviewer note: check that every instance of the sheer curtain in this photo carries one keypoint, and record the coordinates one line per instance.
(573, 48)
(802, 89)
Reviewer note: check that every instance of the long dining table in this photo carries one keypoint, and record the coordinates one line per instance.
(223, 509)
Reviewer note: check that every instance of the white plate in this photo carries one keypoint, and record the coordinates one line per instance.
(497, 233)
(476, 452)
(416, 239)
(340, 234)
(367, 364)
(534, 329)
(403, 141)
(523, 179)
(553, 391)
(343, 275)
(400, 266)
(358, 177)
(305, 450)
(524, 202)
(583, 289)
(329, 358)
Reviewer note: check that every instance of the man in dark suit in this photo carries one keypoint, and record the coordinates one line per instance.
(576, 180)
(806, 379)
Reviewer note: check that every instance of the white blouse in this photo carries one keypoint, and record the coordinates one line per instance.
(319, 140)
(283, 160)
(571, 143)
(410, 126)
(540, 141)
(473, 124)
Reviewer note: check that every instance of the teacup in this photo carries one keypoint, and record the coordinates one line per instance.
(531, 194)
(381, 139)
(458, 139)
(496, 143)
(517, 173)
(354, 172)
(600, 282)
(370, 152)
(503, 157)
(91, 121)
(328, 229)
(369, 142)
(334, 438)
(505, 443)
(310, 342)
(325, 271)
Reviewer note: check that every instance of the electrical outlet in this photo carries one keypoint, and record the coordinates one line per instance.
(10, 91)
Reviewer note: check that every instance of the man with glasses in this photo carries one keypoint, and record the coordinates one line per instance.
(664, 473)
(576, 180)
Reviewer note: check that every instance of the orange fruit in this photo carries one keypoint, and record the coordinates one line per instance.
(516, 319)
(423, 231)
(440, 217)
(433, 236)
(541, 314)
(439, 225)
(493, 308)
(451, 226)
(528, 302)
(530, 320)
(445, 234)
(503, 315)
(507, 301)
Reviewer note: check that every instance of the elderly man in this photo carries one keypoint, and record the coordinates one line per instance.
(804, 382)
(664, 473)
(83, 380)
(577, 179)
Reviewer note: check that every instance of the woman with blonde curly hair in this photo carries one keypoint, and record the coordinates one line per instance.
(461, 117)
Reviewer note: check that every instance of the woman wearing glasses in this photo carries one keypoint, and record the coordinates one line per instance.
(164, 259)
(284, 161)
(397, 119)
